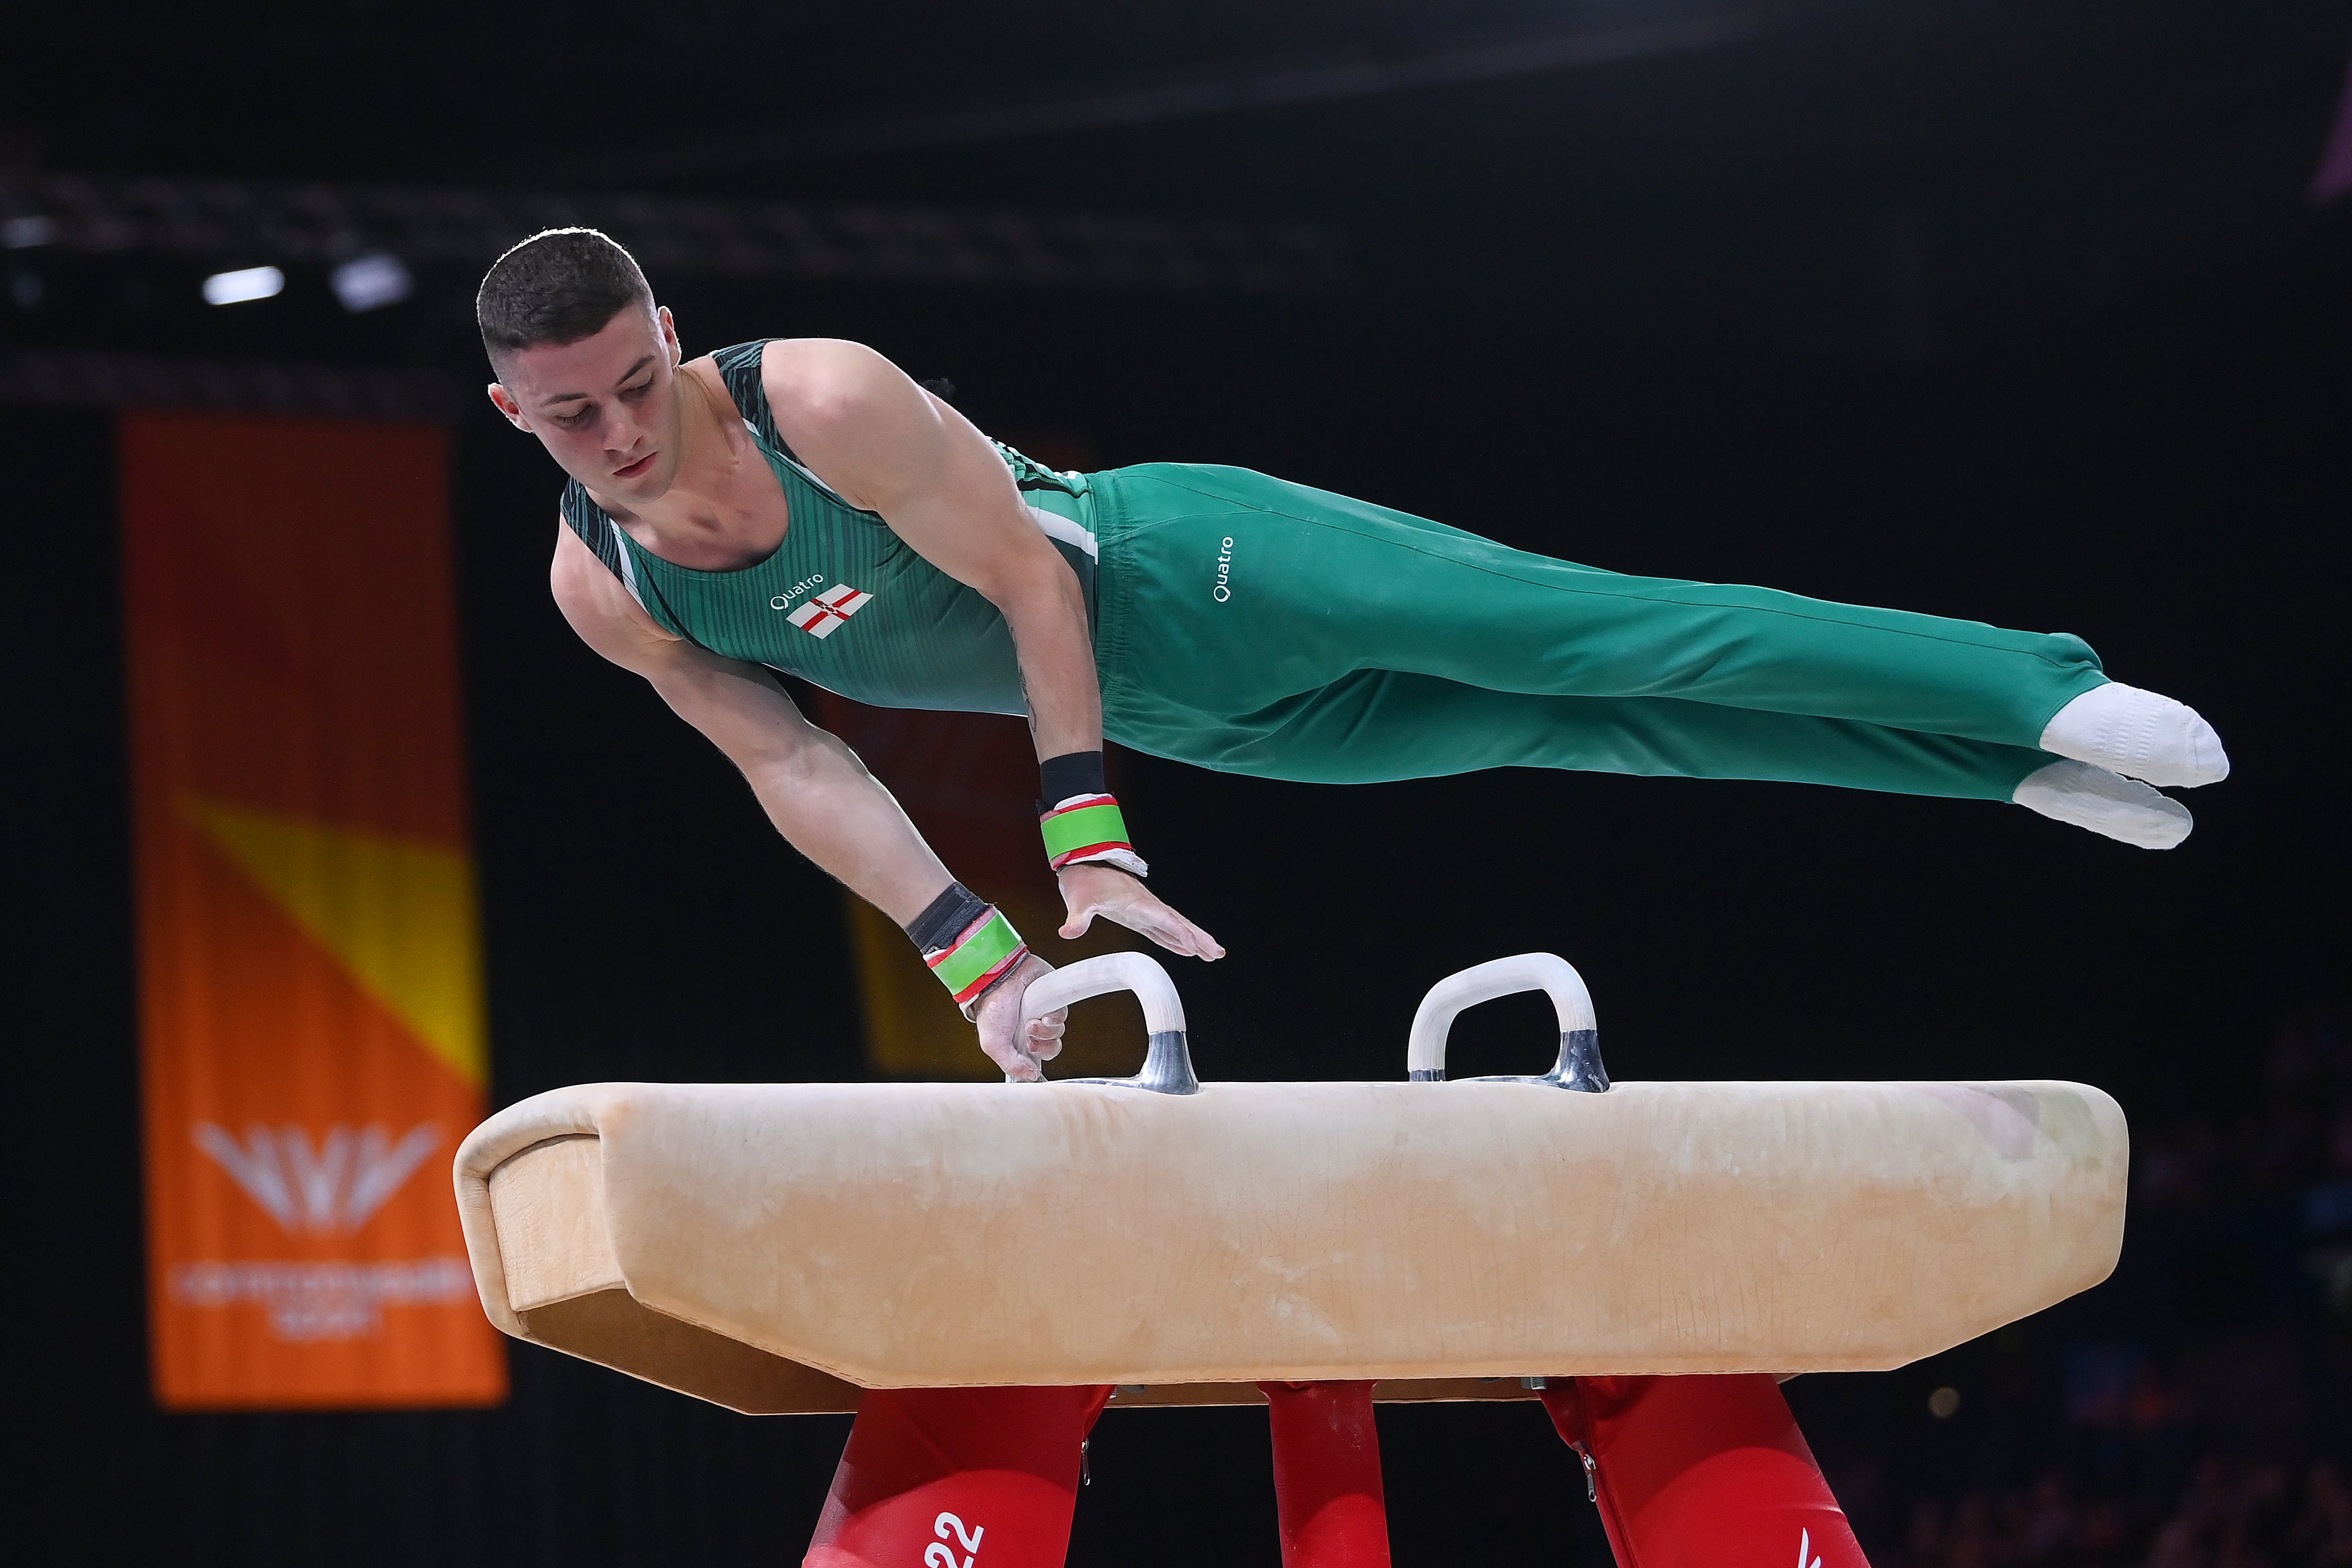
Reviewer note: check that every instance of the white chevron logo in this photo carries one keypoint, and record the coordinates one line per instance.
(335, 1187)
(1805, 1550)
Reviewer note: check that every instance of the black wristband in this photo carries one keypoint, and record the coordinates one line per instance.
(946, 918)
(1072, 772)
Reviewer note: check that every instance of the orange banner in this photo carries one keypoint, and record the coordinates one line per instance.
(312, 1034)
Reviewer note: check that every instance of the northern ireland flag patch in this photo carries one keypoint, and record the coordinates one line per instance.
(820, 613)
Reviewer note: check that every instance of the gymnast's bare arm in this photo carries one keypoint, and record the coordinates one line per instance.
(813, 788)
(887, 444)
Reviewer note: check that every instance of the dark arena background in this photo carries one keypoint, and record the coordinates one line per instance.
(2037, 313)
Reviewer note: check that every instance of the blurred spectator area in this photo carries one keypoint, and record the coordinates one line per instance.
(2193, 1412)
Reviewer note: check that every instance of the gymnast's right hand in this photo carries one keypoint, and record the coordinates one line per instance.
(1089, 889)
(998, 1017)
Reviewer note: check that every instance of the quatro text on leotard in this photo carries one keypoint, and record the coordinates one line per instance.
(1224, 590)
(783, 601)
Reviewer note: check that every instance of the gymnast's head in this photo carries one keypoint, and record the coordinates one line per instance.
(585, 360)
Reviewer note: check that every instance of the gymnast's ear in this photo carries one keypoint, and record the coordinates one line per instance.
(506, 404)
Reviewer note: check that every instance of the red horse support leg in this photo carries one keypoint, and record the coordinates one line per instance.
(1702, 1472)
(1327, 1475)
(948, 1477)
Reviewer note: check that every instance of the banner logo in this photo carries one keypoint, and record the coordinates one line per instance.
(331, 1190)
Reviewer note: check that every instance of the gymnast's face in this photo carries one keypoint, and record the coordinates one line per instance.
(606, 408)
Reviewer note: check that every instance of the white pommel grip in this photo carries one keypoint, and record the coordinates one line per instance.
(1162, 1009)
(1168, 1068)
(1579, 1062)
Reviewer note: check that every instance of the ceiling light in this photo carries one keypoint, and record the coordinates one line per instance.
(244, 283)
(370, 282)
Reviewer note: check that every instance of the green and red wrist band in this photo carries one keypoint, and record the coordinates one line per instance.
(1084, 824)
(969, 945)
(1089, 828)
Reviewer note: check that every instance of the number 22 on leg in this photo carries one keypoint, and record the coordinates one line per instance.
(938, 1556)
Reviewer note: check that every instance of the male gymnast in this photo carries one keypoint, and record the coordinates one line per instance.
(800, 505)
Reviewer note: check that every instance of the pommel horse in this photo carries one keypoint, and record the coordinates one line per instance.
(979, 1269)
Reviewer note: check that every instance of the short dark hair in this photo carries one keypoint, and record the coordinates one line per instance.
(558, 287)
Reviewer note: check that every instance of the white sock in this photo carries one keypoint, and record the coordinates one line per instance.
(2139, 734)
(2107, 802)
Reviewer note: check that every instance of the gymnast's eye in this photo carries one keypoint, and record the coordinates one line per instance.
(574, 421)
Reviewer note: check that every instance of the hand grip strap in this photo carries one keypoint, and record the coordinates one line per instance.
(1086, 827)
(982, 954)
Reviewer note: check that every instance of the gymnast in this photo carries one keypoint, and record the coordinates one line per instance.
(800, 505)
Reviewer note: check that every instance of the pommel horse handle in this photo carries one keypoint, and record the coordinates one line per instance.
(1168, 1066)
(1578, 1066)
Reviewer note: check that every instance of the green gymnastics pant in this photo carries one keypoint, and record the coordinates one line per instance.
(1257, 627)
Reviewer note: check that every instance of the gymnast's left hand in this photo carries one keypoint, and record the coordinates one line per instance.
(1089, 889)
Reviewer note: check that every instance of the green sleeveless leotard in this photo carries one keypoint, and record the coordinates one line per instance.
(1250, 624)
(922, 640)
